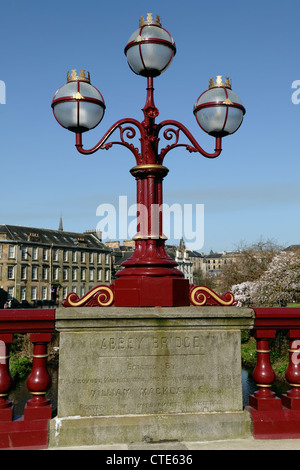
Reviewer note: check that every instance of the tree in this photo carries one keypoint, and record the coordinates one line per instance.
(244, 292)
(280, 283)
(248, 263)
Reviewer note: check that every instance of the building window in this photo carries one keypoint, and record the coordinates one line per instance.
(74, 289)
(55, 274)
(82, 257)
(55, 254)
(33, 293)
(45, 254)
(65, 256)
(91, 257)
(106, 259)
(34, 273)
(0, 251)
(107, 275)
(74, 274)
(23, 293)
(10, 272)
(65, 293)
(99, 275)
(99, 258)
(65, 274)
(44, 293)
(11, 251)
(83, 274)
(24, 253)
(74, 256)
(35, 253)
(11, 292)
(91, 275)
(82, 291)
(44, 273)
(23, 272)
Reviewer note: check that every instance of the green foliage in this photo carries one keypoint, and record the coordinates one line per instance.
(279, 356)
(19, 367)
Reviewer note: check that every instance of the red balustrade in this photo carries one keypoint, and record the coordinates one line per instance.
(276, 417)
(29, 431)
(272, 416)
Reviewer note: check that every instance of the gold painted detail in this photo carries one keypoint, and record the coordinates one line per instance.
(150, 20)
(151, 237)
(149, 166)
(294, 385)
(83, 76)
(228, 101)
(100, 296)
(263, 350)
(263, 385)
(202, 295)
(40, 355)
(78, 96)
(219, 82)
(4, 357)
(294, 350)
(38, 393)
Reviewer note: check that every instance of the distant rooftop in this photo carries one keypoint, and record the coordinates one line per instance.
(48, 237)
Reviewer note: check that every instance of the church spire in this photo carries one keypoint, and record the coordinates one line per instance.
(60, 228)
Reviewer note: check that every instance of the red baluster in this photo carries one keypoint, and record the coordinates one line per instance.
(6, 408)
(39, 381)
(264, 399)
(291, 399)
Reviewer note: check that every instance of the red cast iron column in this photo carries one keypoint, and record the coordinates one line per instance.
(150, 276)
(264, 399)
(6, 408)
(39, 381)
(291, 399)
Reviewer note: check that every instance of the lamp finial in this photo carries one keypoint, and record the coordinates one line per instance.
(83, 76)
(150, 20)
(219, 82)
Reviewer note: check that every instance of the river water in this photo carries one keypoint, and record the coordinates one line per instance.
(19, 395)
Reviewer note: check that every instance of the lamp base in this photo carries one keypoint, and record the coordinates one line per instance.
(147, 291)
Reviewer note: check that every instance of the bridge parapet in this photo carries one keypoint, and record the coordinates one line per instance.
(30, 431)
(276, 417)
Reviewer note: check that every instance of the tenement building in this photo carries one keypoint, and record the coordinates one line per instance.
(41, 267)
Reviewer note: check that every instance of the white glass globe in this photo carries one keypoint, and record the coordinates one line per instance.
(150, 49)
(219, 111)
(78, 106)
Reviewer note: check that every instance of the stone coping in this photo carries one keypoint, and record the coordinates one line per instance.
(71, 318)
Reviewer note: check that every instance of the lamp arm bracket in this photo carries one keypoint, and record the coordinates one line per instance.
(171, 133)
(126, 131)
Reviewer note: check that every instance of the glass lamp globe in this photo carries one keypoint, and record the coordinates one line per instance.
(78, 106)
(150, 49)
(219, 111)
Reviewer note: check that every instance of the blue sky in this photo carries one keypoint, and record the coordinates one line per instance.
(251, 191)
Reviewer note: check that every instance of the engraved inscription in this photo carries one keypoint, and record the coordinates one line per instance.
(144, 371)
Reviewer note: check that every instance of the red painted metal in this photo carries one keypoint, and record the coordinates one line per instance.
(264, 399)
(274, 417)
(27, 320)
(291, 399)
(6, 408)
(150, 277)
(31, 430)
(39, 381)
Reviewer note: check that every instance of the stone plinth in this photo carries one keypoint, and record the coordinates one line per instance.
(149, 374)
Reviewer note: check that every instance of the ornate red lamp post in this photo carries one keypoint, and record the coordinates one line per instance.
(150, 277)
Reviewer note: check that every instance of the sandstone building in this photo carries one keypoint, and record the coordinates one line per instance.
(41, 267)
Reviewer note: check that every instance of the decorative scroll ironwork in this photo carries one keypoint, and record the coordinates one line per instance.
(100, 296)
(202, 295)
(171, 133)
(127, 132)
